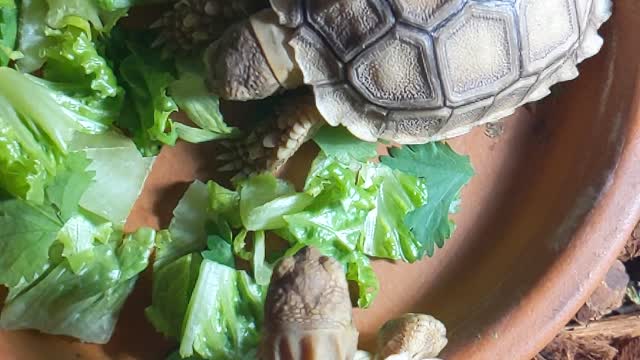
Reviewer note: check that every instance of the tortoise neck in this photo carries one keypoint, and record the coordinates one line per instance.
(273, 39)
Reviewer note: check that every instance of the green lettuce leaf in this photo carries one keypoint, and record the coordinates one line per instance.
(84, 304)
(338, 142)
(265, 200)
(8, 30)
(172, 288)
(224, 316)
(37, 17)
(203, 109)
(72, 180)
(35, 133)
(446, 173)
(80, 80)
(121, 172)
(187, 232)
(146, 79)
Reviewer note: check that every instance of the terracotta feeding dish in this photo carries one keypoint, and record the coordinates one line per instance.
(551, 205)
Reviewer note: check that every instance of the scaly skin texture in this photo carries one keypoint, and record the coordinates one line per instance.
(191, 25)
(418, 336)
(308, 311)
(268, 147)
(237, 67)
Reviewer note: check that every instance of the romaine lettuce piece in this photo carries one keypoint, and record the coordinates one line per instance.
(187, 231)
(225, 314)
(85, 303)
(8, 30)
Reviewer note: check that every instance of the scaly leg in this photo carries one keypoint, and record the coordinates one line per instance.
(268, 147)
(194, 24)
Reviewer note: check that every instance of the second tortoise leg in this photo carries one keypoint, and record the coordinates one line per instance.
(268, 147)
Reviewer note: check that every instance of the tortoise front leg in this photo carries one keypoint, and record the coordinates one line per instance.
(268, 147)
(252, 60)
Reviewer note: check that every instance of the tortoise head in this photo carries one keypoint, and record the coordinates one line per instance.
(308, 310)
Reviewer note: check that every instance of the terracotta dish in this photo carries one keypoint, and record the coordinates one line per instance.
(553, 201)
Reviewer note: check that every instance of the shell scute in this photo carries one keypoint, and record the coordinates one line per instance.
(349, 26)
(478, 53)
(374, 72)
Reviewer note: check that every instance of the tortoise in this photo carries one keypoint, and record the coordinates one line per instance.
(402, 71)
(308, 316)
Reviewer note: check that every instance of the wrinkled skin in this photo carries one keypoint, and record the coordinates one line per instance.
(308, 311)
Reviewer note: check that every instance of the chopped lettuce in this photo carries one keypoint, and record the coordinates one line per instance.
(80, 80)
(173, 285)
(146, 79)
(265, 200)
(446, 173)
(121, 172)
(8, 30)
(35, 133)
(224, 316)
(37, 17)
(84, 303)
(156, 89)
(187, 232)
(338, 142)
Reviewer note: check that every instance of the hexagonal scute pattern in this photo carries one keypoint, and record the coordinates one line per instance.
(350, 25)
(548, 29)
(425, 13)
(317, 63)
(478, 53)
(399, 71)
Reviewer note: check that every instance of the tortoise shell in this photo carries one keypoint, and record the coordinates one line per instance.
(413, 71)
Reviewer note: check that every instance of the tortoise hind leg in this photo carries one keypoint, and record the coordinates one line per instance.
(268, 147)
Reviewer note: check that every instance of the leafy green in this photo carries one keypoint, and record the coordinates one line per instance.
(35, 133)
(446, 173)
(146, 79)
(83, 303)
(192, 96)
(338, 142)
(224, 316)
(80, 80)
(219, 250)
(70, 183)
(121, 172)
(37, 17)
(265, 199)
(27, 231)
(187, 232)
(172, 288)
(8, 30)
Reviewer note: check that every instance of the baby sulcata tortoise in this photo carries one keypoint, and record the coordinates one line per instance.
(308, 317)
(408, 71)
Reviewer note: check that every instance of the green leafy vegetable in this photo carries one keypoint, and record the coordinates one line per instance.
(70, 183)
(80, 80)
(27, 231)
(172, 288)
(38, 17)
(338, 142)
(146, 79)
(35, 133)
(192, 96)
(187, 231)
(265, 199)
(84, 303)
(445, 173)
(224, 316)
(8, 30)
